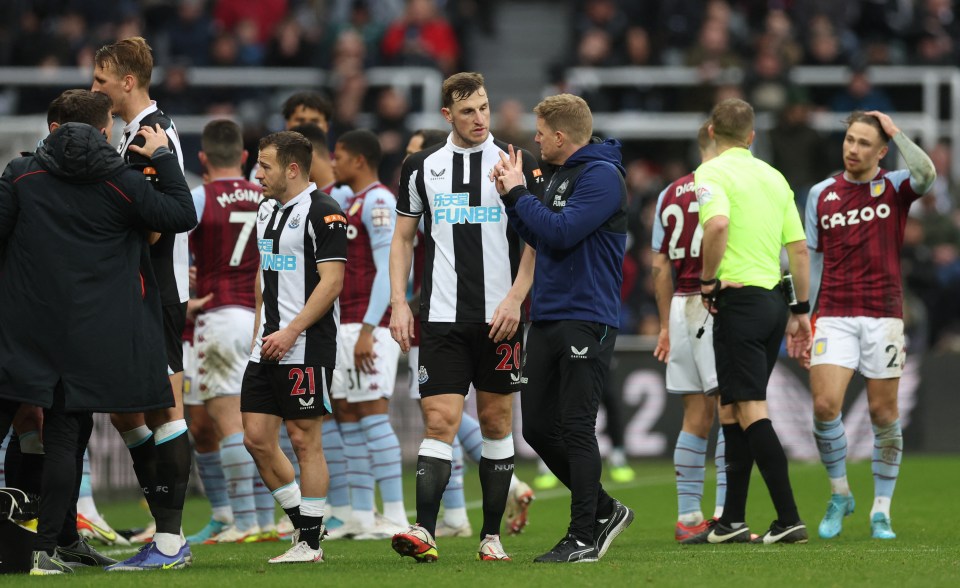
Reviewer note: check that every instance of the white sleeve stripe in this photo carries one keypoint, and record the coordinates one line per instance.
(343, 259)
(410, 214)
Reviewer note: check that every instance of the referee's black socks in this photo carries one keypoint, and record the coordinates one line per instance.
(772, 462)
(739, 465)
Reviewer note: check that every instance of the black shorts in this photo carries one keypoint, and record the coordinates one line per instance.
(747, 331)
(174, 321)
(291, 392)
(454, 355)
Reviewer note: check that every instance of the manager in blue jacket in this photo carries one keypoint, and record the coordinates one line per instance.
(579, 231)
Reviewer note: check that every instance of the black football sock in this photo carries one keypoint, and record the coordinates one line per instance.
(170, 490)
(293, 513)
(433, 474)
(772, 463)
(739, 466)
(495, 476)
(144, 458)
(310, 530)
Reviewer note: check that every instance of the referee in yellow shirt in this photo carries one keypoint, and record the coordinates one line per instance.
(748, 215)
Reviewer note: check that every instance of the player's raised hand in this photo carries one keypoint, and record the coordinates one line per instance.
(401, 325)
(509, 171)
(886, 123)
(154, 138)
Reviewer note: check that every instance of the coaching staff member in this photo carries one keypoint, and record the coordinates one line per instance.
(579, 231)
(81, 321)
(748, 215)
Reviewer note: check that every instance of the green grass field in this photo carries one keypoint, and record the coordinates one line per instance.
(926, 552)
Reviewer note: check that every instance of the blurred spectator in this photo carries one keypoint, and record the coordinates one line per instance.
(265, 13)
(290, 46)
(362, 23)
(508, 126)
(391, 128)
(595, 49)
(823, 44)
(933, 47)
(422, 36)
(640, 52)
(602, 19)
(712, 51)
(861, 95)
(33, 45)
(191, 33)
(175, 92)
(348, 101)
(349, 54)
(778, 36)
(766, 81)
(249, 49)
(944, 194)
(383, 12)
(798, 150)
(225, 51)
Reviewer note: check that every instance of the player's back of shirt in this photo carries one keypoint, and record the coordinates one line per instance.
(859, 228)
(292, 240)
(371, 217)
(472, 254)
(224, 243)
(170, 254)
(677, 233)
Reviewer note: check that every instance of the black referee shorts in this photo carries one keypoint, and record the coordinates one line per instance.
(747, 331)
(174, 321)
(452, 355)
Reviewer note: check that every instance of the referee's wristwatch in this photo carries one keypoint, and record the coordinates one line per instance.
(800, 307)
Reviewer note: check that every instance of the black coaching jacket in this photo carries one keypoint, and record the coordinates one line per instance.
(79, 305)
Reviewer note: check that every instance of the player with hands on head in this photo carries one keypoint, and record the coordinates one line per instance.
(855, 227)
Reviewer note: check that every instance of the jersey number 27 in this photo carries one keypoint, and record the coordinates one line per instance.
(673, 211)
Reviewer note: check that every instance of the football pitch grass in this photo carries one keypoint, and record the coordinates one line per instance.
(925, 553)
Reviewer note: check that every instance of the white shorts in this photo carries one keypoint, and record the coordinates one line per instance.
(691, 367)
(191, 394)
(873, 346)
(221, 343)
(353, 385)
(413, 366)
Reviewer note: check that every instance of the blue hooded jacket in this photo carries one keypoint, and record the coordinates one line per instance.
(579, 231)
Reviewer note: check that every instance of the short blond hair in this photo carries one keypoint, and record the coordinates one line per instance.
(732, 121)
(131, 56)
(569, 114)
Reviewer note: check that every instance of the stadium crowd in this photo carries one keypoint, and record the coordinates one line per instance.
(763, 40)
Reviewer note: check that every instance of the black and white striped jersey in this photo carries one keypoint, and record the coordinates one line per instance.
(171, 254)
(292, 239)
(472, 253)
